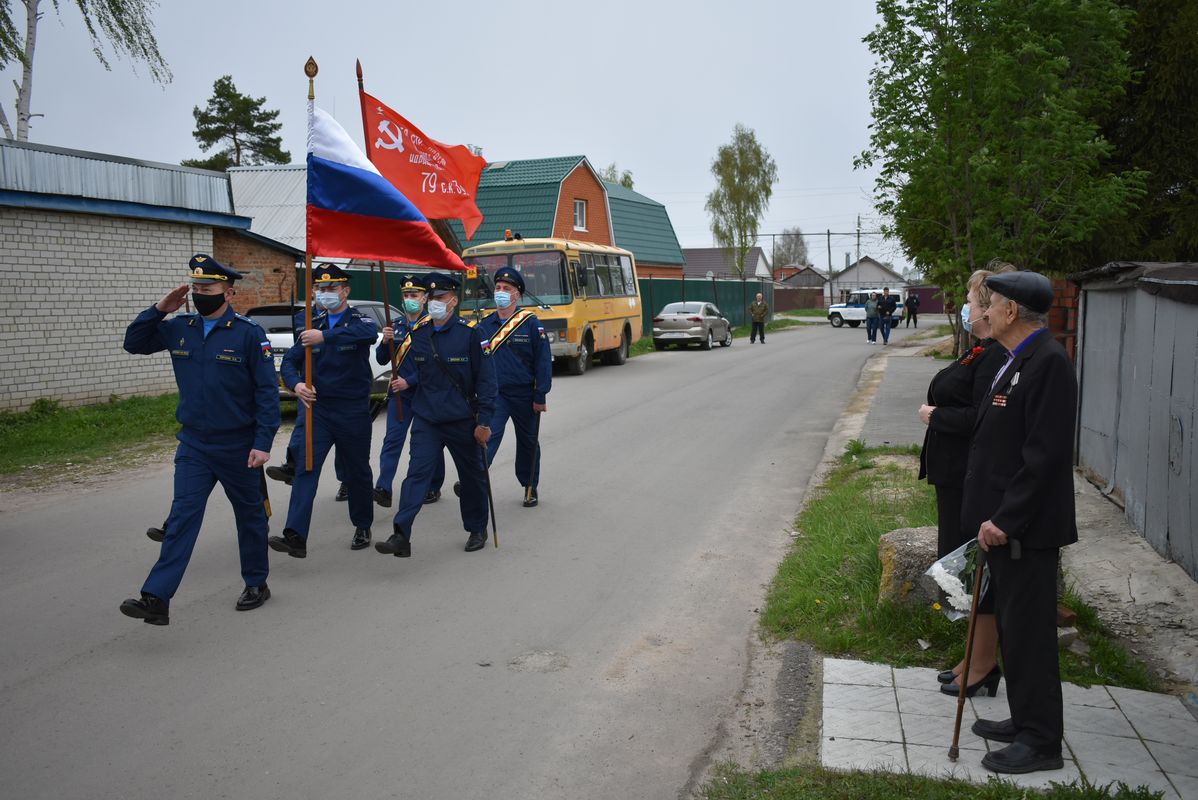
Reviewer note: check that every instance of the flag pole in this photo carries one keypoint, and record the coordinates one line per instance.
(382, 269)
(310, 69)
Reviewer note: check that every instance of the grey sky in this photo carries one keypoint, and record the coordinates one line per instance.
(654, 86)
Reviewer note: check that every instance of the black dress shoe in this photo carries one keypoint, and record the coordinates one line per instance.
(1017, 758)
(290, 543)
(150, 609)
(283, 474)
(530, 498)
(382, 497)
(156, 534)
(361, 539)
(948, 676)
(995, 730)
(477, 541)
(989, 683)
(396, 545)
(432, 497)
(342, 493)
(252, 597)
(457, 488)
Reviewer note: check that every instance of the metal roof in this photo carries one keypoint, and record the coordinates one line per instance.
(643, 226)
(42, 170)
(276, 198)
(701, 260)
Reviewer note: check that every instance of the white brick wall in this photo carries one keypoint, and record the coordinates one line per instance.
(71, 285)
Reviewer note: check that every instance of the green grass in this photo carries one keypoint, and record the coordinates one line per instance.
(814, 783)
(820, 313)
(777, 324)
(640, 347)
(48, 434)
(826, 589)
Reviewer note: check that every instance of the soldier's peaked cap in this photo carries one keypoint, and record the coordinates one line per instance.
(509, 275)
(439, 283)
(203, 268)
(1030, 289)
(329, 273)
(414, 283)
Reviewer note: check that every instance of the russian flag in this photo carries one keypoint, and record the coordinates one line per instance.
(354, 212)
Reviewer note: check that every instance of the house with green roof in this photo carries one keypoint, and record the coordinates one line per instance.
(565, 198)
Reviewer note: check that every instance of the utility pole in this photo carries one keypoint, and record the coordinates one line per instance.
(858, 238)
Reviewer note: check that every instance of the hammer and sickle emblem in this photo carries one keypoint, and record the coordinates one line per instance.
(393, 134)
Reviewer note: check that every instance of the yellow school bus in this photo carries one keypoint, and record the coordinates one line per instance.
(586, 295)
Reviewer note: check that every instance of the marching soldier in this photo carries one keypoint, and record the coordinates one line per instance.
(516, 342)
(341, 338)
(454, 384)
(229, 412)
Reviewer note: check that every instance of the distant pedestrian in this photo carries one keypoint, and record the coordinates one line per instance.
(887, 303)
(758, 310)
(871, 319)
(228, 412)
(912, 310)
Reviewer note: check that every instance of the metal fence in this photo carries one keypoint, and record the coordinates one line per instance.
(732, 297)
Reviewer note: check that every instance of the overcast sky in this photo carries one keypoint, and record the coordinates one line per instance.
(654, 86)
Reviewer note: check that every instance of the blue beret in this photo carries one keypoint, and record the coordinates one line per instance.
(1030, 289)
(510, 276)
(206, 269)
(440, 283)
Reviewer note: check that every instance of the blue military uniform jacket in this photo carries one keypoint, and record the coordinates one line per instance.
(341, 363)
(458, 347)
(523, 362)
(403, 328)
(228, 391)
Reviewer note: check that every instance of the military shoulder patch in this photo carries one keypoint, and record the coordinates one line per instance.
(469, 323)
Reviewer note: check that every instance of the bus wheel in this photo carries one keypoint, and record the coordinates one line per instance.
(579, 363)
(618, 356)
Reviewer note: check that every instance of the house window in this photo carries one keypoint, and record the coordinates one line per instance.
(580, 215)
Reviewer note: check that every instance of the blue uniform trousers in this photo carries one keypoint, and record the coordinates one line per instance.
(295, 446)
(392, 449)
(346, 425)
(428, 441)
(196, 473)
(526, 422)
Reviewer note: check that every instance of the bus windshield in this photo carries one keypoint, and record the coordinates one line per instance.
(544, 276)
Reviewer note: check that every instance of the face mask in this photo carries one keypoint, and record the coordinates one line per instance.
(328, 300)
(411, 306)
(438, 310)
(503, 299)
(207, 304)
(965, 318)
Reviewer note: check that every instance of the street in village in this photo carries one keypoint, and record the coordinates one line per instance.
(594, 654)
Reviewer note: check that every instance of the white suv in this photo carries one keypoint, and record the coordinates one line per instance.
(853, 311)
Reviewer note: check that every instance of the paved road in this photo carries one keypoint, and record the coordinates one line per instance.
(593, 655)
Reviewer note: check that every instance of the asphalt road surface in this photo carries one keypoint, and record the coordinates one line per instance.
(595, 654)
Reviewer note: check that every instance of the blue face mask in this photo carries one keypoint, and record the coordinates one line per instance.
(329, 301)
(503, 299)
(438, 310)
(411, 306)
(965, 318)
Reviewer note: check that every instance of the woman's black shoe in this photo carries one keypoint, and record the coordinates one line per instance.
(948, 676)
(989, 683)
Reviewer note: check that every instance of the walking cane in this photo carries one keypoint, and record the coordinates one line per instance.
(536, 451)
(490, 500)
(963, 680)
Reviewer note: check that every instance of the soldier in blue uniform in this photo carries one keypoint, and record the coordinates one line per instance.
(229, 412)
(454, 384)
(395, 347)
(340, 338)
(516, 342)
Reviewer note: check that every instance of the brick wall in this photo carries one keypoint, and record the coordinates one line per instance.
(73, 282)
(269, 275)
(1062, 317)
(581, 184)
(644, 270)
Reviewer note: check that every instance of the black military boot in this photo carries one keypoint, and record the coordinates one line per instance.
(361, 539)
(382, 497)
(290, 543)
(285, 473)
(148, 608)
(397, 545)
(342, 493)
(432, 497)
(252, 597)
(156, 534)
(530, 498)
(477, 541)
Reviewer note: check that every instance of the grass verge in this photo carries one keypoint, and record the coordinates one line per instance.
(819, 313)
(826, 590)
(815, 783)
(48, 434)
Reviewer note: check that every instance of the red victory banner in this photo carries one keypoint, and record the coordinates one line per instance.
(440, 179)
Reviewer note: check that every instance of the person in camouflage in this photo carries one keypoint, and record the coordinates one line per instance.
(758, 311)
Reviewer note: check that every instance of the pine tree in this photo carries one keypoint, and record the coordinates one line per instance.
(248, 133)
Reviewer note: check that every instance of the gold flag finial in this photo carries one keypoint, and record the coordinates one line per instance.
(310, 69)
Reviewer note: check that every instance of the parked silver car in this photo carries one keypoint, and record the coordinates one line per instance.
(692, 321)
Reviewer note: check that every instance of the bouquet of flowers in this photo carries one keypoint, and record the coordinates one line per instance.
(953, 578)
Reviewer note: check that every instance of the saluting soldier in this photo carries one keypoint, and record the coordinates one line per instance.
(229, 413)
(516, 342)
(454, 382)
(340, 338)
(395, 347)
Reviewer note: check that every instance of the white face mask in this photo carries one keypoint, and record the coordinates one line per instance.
(438, 310)
(328, 300)
(503, 299)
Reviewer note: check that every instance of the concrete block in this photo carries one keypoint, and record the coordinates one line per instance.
(906, 554)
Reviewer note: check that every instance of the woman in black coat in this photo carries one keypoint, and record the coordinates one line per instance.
(954, 396)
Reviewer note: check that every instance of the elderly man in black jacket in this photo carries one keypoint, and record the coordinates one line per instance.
(1018, 496)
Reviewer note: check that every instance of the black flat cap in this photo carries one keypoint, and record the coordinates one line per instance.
(1029, 289)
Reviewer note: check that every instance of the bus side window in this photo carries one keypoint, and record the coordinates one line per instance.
(629, 280)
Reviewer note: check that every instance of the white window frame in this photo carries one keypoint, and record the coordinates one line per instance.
(580, 215)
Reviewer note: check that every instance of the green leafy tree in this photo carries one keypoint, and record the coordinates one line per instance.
(248, 133)
(613, 174)
(122, 25)
(789, 247)
(985, 130)
(745, 175)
